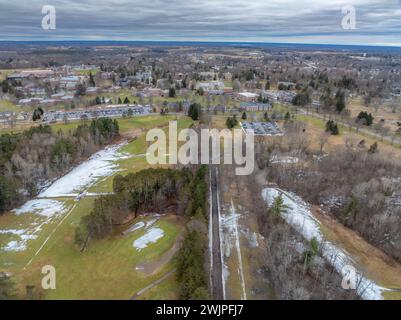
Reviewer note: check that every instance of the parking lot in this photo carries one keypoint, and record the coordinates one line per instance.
(262, 128)
(110, 112)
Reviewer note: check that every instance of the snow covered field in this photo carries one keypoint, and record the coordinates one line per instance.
(301, 218)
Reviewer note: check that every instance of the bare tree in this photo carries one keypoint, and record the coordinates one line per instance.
(323, 139)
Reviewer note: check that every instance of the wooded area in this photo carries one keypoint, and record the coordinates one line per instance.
(29, 160)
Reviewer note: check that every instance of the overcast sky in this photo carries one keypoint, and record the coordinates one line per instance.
(378, 22)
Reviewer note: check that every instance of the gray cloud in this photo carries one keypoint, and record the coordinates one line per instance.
(311, 21)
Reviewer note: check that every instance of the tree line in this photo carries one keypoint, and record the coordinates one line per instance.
(149, 190)
(154, 190)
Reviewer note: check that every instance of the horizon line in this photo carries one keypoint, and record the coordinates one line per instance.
(380, 45)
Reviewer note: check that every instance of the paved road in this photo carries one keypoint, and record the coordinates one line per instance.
(216, 257)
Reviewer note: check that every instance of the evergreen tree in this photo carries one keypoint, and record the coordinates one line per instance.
(91, 80)
(231, 122)
(190, 272)
(332, 127)
(311, 252)
(301, 99)
(368, 118)
(194, 111)
(374, 148)
(340, 101)
(171, 93)
(37, 114)
(80, 90)
(278, 207)
(287, 116)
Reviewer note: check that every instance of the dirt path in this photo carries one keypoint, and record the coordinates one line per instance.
(238, 249)
(244, 247)
(153, 284)
(133, 134)
(150, 268)
(217, 284)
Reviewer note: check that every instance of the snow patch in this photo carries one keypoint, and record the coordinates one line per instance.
(284, 159)
(101, 164)
(151, 222)
(21, 243)
(230, 239)
(252, 238)
(44, 207)
(135, 227)
(13, 232)
(15, 246)
(151, 236)
(301, 218)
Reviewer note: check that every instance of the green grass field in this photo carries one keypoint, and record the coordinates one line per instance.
(137, 148)
(4, 73)
(106, 269)
(167, 290)
(126, 124)
(6, 105)
(319, 123)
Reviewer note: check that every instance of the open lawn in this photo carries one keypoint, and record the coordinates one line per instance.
(167, 290)
(107, 268)
(126, 124)
(316, 127)
(6, 105)
(389, 112)
(4, 73)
